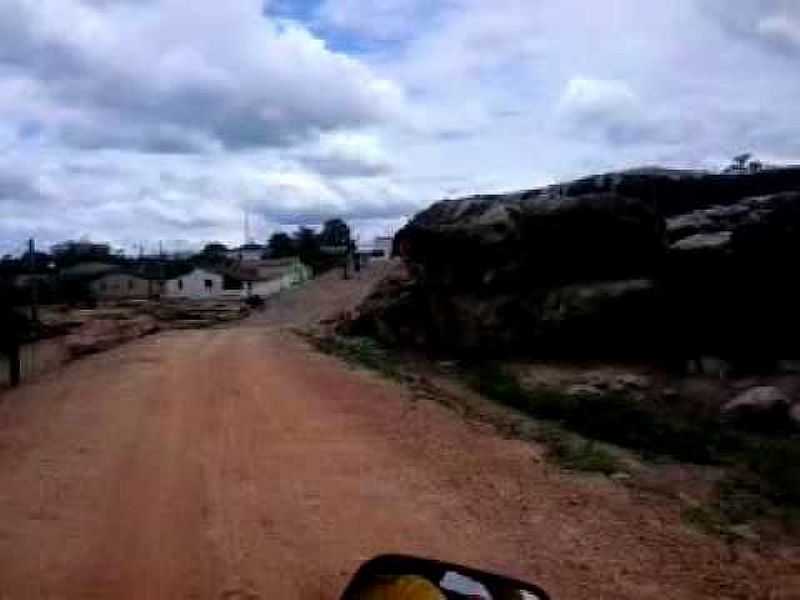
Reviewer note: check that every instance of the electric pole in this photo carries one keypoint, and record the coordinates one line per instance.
(34, 282)
(162, 277)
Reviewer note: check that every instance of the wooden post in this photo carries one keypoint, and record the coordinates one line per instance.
(34, 282)
(14, 363)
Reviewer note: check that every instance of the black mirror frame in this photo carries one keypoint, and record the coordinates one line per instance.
(400, 564)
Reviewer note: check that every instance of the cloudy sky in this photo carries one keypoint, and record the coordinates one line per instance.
(144, 120)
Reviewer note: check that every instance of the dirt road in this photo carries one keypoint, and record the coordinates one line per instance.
(240, 464)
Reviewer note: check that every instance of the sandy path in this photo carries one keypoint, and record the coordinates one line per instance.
(238, 463)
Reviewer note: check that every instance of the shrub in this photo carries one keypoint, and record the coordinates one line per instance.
(612, 417)
(586, 456)
(777, 463)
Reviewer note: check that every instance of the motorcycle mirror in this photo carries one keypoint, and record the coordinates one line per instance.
(398, 577)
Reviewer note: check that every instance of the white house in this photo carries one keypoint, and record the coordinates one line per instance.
(267, 277)
(257, 278)
(198, 284)
(125, 285)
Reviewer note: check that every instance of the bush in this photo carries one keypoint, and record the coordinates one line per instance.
(360, 351)
(777, 464)
(586, 456)
(771, 466)
(614, 418)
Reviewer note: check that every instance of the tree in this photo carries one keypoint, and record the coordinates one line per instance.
(280, 245)
(215, 249)
(307, 247)
(306, 242)
(39, 263)
(335, 232)
(744, 163)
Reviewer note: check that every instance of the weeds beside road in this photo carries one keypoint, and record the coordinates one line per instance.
(762, 472)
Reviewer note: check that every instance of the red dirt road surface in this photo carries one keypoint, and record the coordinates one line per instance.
(239, 463)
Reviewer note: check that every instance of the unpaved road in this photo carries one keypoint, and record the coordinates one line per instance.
(239, 464)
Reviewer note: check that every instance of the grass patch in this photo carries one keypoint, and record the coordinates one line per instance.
(705, 518)
(610, 417)
(764, 478)
(584, 455)
(766, 469)
(359, 351)
(776, 463)
(740, 500)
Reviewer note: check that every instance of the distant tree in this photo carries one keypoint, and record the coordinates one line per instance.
(306, 241)
(335, 232)
(41, 261)
(215, 249)
(71, 252)
(307, 248)
(280, 245)
(744, 163)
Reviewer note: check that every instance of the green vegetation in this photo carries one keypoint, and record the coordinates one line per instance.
(776, 463)
(321, 251)
(767, 468)
(764, 472)
(360, 351)
(741, 499)
(611, 417)
(584, 455)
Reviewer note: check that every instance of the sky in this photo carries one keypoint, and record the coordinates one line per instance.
(139, 121)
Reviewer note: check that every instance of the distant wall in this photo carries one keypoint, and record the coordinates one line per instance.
(121, 285)
(196, 285)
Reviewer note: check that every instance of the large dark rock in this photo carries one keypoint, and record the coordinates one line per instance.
(729, 277)
(532, 240)
(649, 263)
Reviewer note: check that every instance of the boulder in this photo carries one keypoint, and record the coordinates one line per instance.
(650, 263)
(633, 381)
(719, 241)
(726, 280)
(610, 317)
(393, 313)
(531, 240)
(760, 399)
(583, 390)
(761, 408)
(794, 415)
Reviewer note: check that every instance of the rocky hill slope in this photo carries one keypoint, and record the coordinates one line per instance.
(647, 264)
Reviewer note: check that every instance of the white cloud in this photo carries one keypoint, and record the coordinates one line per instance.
(610, 109)
(186, 76)
(781, 29)
(163, 119)
(346, 154)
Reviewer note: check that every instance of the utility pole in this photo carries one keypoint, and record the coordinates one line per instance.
(356, 256)
(34, 282)
(161, 276)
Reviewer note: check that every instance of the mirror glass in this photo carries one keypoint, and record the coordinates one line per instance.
(394, 577)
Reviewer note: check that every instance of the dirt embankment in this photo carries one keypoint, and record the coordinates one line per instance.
(67, 333)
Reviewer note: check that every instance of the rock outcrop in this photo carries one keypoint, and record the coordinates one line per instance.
(649, 263)
(762, 407)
